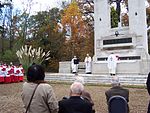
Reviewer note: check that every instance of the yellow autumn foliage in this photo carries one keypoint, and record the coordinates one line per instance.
(73, 17)
(80, 36)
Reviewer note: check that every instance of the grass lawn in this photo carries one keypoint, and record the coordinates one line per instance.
(138, 97)
(10, 97)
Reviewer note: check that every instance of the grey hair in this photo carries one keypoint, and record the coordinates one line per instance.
(77, 88)
(79, 79)
(115, 81)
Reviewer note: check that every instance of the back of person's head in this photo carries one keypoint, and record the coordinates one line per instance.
(35, 73)
(79, 79)
(77, 88)
(115, 81)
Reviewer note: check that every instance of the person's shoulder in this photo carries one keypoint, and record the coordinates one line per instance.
(124, 89)
(28, 84)
(45, 85)
(148, 77)
(119, 87)
(86, 95)
(86, 102)
(127, 90)
(108, 91)
(113, 89)
(64, 101)
(25, 83)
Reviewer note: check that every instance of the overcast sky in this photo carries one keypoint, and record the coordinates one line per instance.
(38, 5)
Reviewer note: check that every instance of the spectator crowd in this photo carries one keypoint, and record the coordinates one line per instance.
(38, 96)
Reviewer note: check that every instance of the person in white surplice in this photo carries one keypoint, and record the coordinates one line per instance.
(88, 64)
(74, 64)
(112, 63)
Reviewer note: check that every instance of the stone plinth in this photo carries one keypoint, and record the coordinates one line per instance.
(65, 67)
(135, 67)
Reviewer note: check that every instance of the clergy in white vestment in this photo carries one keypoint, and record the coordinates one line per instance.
(74, 64)
(112, 64)
(88, 64)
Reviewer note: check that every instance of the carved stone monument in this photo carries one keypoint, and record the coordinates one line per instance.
(129, 43)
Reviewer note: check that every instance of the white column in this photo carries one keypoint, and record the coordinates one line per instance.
(101, 20)
(137, 20)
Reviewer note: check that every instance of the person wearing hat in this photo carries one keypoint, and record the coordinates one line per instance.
(117, 89)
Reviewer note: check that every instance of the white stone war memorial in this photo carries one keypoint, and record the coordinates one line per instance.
(130, 43)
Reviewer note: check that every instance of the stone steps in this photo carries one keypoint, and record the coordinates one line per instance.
(97, 79)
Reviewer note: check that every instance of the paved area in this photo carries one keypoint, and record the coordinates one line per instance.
(130, 79)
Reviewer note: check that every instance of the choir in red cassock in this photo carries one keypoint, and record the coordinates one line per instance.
(11, 73)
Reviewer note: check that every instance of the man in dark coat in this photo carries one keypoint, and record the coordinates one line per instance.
(75, 103)
(117, 90)
(148, 89)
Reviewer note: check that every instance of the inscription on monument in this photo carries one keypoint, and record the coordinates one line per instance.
(117, 41)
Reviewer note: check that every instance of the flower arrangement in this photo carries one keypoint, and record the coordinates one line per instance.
(28, 55)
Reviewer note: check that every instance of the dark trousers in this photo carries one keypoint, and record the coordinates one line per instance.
(148, 111)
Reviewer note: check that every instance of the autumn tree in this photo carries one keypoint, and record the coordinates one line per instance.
(79, 43)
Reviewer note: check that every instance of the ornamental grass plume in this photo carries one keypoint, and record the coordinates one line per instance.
(28, 55)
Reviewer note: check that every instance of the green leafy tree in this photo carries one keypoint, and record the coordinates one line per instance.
(114, 18)
(43, 32)
(8, 56)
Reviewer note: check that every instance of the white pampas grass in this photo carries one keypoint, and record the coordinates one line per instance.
(28, 55)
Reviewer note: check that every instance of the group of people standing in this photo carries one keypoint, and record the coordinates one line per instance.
(111, 64)
(39, 97)
(11, 73)
(87, 61)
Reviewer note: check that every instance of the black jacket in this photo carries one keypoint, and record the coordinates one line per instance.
(148, 89)
(117, 90)
(75, 104)
(148, 83)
